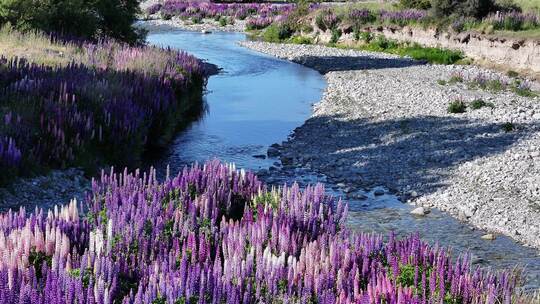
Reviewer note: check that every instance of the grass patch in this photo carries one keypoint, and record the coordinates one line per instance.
(512, 74)
(457, 106)
(414, 50)
(480, 103)
(441, 82)
(276, 33)
(508, 127)
(301, 40)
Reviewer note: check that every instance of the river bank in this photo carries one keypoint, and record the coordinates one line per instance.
(384, 120)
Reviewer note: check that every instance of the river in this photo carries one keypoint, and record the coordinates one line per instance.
(257, 100)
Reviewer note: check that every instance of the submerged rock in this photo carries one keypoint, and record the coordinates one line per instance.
(420, 211)
(489, 237)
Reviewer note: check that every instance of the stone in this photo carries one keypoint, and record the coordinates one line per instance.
(273, 152)
(378, 192)
(488, 236)
(420, 211)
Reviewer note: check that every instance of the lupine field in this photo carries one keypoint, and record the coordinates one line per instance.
(104, 104)
(213, 234)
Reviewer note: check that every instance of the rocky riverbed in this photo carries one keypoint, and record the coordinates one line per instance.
(384, 120)
(205, 26)
(58, 187)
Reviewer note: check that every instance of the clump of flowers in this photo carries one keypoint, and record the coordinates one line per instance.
(212, 234)
(513, 21)
(359, 17)
(326, 19)
(200, 10)
(258, 23)
(402, 17)
(106, 106)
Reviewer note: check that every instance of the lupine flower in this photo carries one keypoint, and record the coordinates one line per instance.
(213, 234)
(110, 97)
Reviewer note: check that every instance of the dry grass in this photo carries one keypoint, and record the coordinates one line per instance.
(35, 47)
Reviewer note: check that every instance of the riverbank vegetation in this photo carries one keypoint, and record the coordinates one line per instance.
(88, 104)
(75, 18)
(212, 234)
(486, 16)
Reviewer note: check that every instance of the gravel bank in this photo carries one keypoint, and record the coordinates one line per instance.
(383, 120)
(56, 188)
(207, 25)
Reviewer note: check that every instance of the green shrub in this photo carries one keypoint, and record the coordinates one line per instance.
(364, 36)
(223, 21)
(455, 79)
(301, 40)
(522, 89)
(277, 33)
(495, 85)
(508, 127)
(507, 6)
(415, 4)
(336, 34)
(462, 8)
(457, 106)
(326, 20)
(80, 18)
(480, 103)
(512, 74)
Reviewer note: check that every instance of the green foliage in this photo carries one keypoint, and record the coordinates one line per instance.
(326, 19)
(415, 4)
(159, 300)
(148, 227)
(512, 73)
(455, 79)
(457, 106)
(364, 36)
(507, 6)
(464, 8)
(277, 33)
(441, 82)
(508, 127)
(480, 103)
(80, 18)
(37, 259)
(523, 91)
(406, 275)
(432, 55)
(336, 34)
(301, 40)
(415, 51)
(223, 21)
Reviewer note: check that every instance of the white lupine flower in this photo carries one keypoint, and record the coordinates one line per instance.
(109, 235)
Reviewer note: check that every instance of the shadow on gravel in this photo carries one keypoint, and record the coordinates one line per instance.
(396, 153)
(325, 64)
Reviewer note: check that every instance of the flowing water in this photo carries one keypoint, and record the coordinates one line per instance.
(257, 100)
